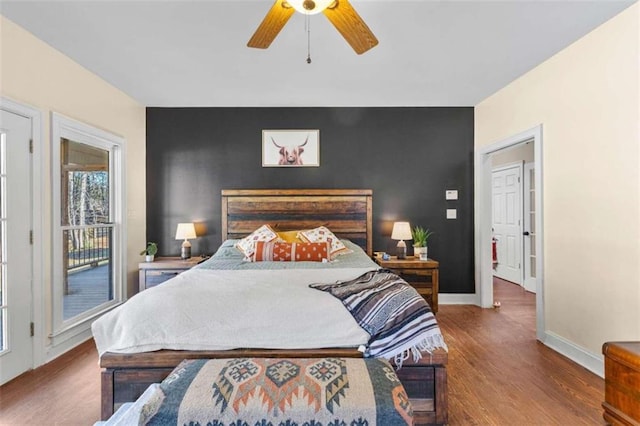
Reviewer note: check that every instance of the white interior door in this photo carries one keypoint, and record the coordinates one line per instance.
(507, 225)
(529, 228)
(16, 350)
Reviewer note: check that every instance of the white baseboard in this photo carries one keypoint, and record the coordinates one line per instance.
(590, 361)
(458, 299)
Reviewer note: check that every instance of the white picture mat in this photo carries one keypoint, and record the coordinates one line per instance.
(291, 139)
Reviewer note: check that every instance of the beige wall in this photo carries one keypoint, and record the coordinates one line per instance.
(32, 72)
(587, 99)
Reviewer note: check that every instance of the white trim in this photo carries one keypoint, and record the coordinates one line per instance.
(590, 361)
(37, 222)
(73, 341)
(457, 299)
(482, 216)
(67, 331)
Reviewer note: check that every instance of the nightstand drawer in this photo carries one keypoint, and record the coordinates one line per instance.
(153, 278)
(416, 279)
(423, 290)
(163, 269)
(419, 273)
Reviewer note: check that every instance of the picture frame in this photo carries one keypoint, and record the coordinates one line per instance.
(291, 148)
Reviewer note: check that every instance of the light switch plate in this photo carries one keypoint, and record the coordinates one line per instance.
(452, 214)
(451, 194)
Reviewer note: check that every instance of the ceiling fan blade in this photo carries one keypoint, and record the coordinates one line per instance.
(271, 25)
(348, 23)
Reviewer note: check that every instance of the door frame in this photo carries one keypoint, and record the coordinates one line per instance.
(37, 222)
(483, 258)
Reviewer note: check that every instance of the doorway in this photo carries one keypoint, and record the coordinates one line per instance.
(483, 219)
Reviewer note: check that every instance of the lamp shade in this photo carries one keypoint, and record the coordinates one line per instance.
(310, 7)
(185, 231)
(401, 231)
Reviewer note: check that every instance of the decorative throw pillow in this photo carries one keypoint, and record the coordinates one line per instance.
(247, 244)
(322, 234)
(291, 252)
(289, 237)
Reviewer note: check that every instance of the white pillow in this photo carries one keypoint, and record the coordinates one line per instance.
(322, 234)
(247, 245)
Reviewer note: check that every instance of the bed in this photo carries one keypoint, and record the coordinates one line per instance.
(348, 214)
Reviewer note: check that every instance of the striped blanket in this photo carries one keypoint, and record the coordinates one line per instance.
(397, 318)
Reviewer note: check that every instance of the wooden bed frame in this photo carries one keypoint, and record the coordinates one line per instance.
(348, 214)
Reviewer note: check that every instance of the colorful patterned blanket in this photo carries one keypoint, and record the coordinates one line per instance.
(280, 392)
(397, 318)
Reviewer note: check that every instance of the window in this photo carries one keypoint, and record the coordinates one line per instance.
(88, 224)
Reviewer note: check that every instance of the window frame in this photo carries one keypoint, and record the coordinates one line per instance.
(64, 127)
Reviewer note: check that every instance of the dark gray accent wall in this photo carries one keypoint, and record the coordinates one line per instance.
(407, 156)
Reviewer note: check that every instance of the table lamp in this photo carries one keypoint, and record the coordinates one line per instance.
(185, 231)
(401, 231)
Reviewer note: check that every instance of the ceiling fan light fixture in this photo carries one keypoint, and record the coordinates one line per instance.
(339, 12)
(310, 7)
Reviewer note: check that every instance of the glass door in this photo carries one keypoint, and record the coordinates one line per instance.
(16, 349)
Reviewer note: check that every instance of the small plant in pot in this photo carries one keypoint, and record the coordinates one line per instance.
(420, 236)
(150, 252)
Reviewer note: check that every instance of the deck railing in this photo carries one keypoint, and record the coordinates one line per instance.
(88, 246)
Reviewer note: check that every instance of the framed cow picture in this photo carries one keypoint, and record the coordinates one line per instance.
(291, 148)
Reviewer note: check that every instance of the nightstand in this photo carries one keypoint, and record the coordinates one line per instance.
(420, 274)
(162, 269)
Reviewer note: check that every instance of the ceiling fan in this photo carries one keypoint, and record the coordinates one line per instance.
(339, 12)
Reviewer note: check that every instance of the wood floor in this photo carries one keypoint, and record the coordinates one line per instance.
(498, 375)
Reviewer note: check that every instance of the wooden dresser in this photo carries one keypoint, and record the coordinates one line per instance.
(621, 383)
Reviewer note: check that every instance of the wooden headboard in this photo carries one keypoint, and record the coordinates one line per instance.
(346, 212)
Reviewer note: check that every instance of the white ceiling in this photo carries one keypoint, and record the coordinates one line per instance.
(193, 53)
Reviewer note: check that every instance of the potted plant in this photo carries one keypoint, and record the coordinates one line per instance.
(420, 236)
(150, 251)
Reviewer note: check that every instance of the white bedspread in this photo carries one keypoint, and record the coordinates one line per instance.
(204, 309)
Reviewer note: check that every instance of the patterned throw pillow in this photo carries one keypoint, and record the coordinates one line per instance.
(322, 234)
(247, 244)
(291, 252)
